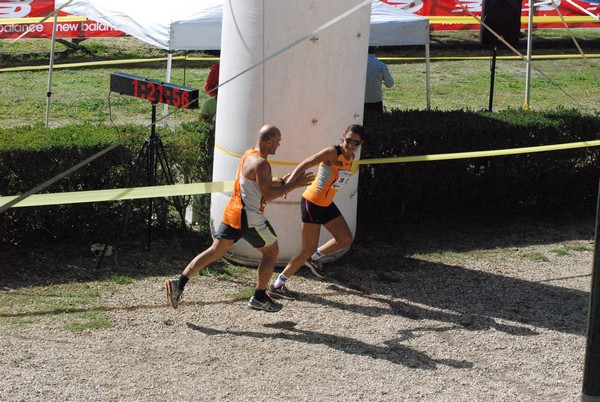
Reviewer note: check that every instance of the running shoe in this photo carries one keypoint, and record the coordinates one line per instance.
(316, 267)
(267, 305)
(173, 292)
(282, 292)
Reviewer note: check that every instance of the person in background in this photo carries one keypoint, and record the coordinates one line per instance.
(208, 109)
(318, 209)
(212, 80)
(243, 218)
(378, 74)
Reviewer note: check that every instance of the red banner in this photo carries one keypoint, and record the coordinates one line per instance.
(13, 10)
(443, 15)
(25, 8)
(463, 8)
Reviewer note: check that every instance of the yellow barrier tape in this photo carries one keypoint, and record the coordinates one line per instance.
(203, 58)
(542, 19)
(9, 21)
(89, 64)
(150, 60)
(474, 154)
(534, 57)
(227, 152)
(215, 187)
(272, 162)
(117, 194)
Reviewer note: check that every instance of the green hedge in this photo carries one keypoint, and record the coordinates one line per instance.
(547, 182)
(561, 181)
(30, 156)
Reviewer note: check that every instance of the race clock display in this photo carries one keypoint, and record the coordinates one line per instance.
(154, 91)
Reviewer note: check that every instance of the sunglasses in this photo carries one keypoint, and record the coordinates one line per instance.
(350, 141)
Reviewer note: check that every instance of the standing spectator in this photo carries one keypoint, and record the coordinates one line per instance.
(212, 80)
(377, 74)
(208, 109)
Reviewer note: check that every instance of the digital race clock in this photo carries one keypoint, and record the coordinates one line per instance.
(154, 91)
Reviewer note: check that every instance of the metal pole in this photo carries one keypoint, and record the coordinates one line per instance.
(529, 46)
(168, 79)
(52, 48)
(427, 76)
(591, 368)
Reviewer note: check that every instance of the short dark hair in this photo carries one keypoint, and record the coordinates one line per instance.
(356, 129)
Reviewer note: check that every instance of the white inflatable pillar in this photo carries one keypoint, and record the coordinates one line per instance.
(312, 90)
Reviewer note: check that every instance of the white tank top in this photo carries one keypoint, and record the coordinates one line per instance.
(252, 199)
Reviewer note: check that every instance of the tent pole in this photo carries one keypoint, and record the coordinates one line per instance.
(51, 67)
(427, 76)
(529, 40)
(168, 79)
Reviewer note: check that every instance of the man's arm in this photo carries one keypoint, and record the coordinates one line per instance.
(388, 80)
(272, 189)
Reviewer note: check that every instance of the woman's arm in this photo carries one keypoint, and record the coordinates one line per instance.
(272, 189)
(327, 155)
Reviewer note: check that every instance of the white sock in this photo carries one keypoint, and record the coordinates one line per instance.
(281, 280)
(317, 255)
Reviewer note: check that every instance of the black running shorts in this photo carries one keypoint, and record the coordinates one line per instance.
(258, 237)
(312, 213)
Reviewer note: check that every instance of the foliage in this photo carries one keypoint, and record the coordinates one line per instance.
(565, 180)
(30, 156)
(459, 75)
(194, 156)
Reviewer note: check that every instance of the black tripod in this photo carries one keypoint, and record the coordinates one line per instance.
(151, 156)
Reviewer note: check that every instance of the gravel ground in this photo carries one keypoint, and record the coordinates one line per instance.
(494, 311)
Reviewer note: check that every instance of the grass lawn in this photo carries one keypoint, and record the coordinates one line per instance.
(460, 77)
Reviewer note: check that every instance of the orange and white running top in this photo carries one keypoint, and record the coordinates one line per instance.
(329, 180)
(246, 195)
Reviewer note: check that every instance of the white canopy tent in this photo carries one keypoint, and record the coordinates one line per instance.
(196, 24)
(392, 26)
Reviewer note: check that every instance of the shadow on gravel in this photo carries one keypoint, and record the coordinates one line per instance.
(462, 297)
(474, 300)
(73, 261)
(394, 351)
(378, 268)
(475, 233)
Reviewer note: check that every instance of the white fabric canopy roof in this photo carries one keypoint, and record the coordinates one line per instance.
(196, 24)
(391, 26)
